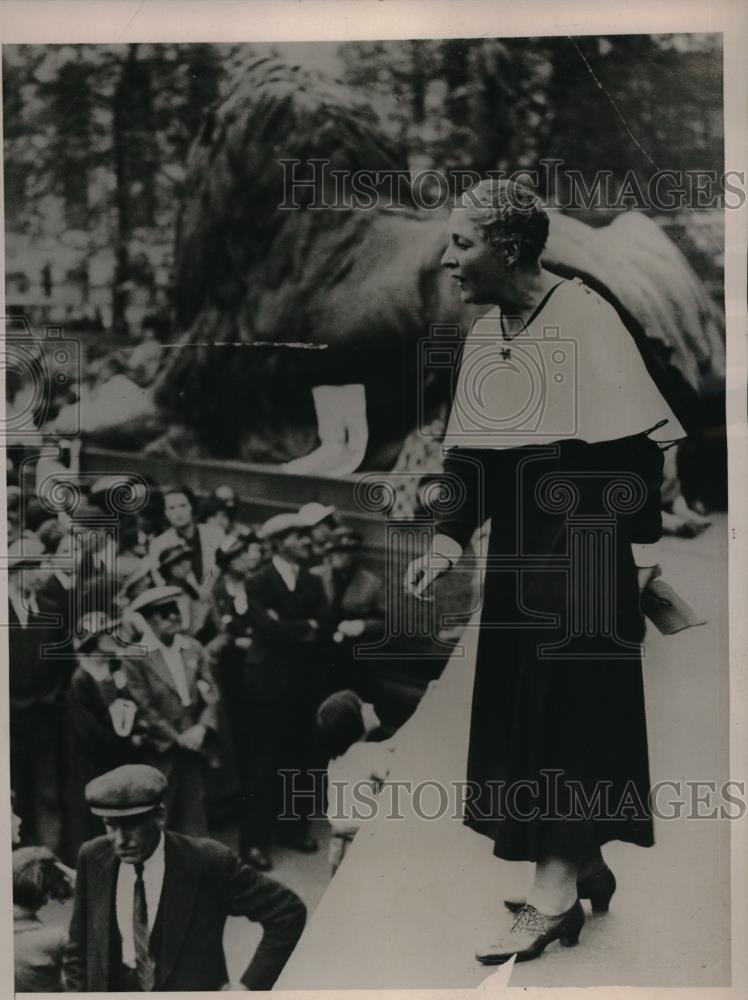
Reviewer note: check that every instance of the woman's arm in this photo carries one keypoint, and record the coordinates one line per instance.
(462, 511)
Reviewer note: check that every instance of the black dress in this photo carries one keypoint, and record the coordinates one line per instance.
(558, 759)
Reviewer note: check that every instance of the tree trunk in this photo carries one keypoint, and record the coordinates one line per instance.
(122, 174)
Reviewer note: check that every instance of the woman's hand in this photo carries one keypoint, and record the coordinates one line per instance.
(422, 573)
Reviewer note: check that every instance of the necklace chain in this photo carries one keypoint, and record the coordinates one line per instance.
(505, 335)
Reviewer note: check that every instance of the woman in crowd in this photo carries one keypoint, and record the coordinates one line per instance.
(236, 562)
(217, 514)
(175, 567)
(180, 512)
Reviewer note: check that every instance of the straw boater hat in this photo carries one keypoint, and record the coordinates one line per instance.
(314, 513)
(280, 524)
(155, 597)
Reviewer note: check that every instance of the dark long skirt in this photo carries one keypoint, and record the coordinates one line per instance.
(558, 759)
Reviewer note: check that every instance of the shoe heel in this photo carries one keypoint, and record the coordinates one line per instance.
(600, 902)
(599, 890)
(569, 934)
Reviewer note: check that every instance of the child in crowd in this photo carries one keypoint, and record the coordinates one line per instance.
(357, 769)
(38, 877)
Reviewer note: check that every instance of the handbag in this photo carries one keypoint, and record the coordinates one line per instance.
(667, 610)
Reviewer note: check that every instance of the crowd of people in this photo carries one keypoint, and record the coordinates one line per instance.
(186, 640)
(215, 654)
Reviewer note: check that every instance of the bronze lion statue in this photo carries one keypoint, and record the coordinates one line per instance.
(298, 331)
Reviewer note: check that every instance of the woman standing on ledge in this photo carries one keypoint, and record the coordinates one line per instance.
(555, 434)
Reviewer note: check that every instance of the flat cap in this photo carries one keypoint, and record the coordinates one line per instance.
(126, 791)
(154, 597)
(313, 513)
(281, 523)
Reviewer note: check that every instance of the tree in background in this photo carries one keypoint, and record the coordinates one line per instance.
(96, 141)
(503, 104)
(97, 136)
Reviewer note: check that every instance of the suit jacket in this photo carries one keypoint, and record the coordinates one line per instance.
(37, 955)
(360, 598)
(210, 540)
(204, 883)
(34, 680)
(161, 712)
(285, 652)
(92, 729)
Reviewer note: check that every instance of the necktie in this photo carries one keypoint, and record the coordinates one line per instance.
(144, 964)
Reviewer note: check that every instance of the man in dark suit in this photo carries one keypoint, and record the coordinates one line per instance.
(36, 689)
(287, 611)
(150, 905)
(355, 598)
(177, 697)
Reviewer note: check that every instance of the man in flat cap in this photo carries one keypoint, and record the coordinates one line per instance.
(176, 694)
(151, 904)
(288, 616)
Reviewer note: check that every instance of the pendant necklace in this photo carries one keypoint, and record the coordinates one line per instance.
(506, 352)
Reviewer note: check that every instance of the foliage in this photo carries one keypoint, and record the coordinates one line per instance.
(97, 136)
(506, 103)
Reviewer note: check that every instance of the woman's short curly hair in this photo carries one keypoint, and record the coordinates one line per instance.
(509, 211)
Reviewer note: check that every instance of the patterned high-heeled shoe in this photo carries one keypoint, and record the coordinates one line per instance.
(532, 932)
(598, 888)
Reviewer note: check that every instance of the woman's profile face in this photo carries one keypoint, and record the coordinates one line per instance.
(471, 262)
